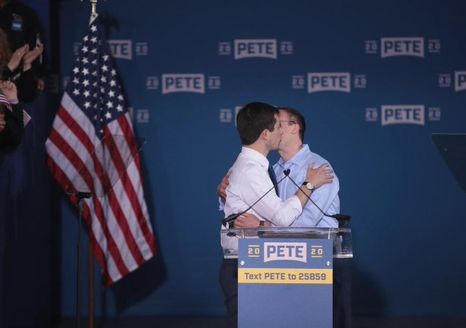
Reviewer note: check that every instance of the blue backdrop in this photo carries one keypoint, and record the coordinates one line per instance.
(373, 79)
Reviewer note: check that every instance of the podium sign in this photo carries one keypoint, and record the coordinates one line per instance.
(285, 283)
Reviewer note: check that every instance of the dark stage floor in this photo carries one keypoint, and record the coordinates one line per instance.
(219, 322)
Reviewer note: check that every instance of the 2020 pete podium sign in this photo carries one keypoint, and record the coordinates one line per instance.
(285, 283)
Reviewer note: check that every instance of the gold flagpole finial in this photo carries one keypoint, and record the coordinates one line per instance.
(93, 8)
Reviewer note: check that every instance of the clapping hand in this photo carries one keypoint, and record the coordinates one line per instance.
(17, 56)
(32, 55)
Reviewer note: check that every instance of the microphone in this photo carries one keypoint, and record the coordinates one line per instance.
(341, 218)
(229, 221)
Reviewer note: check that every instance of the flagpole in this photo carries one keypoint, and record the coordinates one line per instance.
(90, 244)
(91, 282)
(78, 265)
(93, 9)
(81, 196)
(90, 254)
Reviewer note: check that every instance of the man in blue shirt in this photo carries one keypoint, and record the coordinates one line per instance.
(296, 156)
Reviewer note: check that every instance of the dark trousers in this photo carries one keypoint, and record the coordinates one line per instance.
(342, 269)
(229, 281)
(341, 291)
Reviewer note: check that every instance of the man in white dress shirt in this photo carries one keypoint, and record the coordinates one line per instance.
(260, 132)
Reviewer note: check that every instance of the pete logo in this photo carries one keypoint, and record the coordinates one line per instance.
(460, 80)
(142, 116)
(329, 82)
(402, 47)
(121, 49)
(226, 115)
(403, 114)
(183, 83)
(284, 251)
(255, 48)
(262, 48)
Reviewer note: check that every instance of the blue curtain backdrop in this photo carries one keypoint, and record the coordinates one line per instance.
(393, 75)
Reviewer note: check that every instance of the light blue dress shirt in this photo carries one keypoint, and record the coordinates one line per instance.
(326, 197)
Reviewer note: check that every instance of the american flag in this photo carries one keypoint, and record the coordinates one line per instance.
(3, 100)
(93, 120)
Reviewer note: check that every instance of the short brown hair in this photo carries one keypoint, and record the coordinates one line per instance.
(298, 118)
(254, 118)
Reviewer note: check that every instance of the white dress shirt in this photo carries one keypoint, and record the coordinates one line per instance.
(249, 180)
